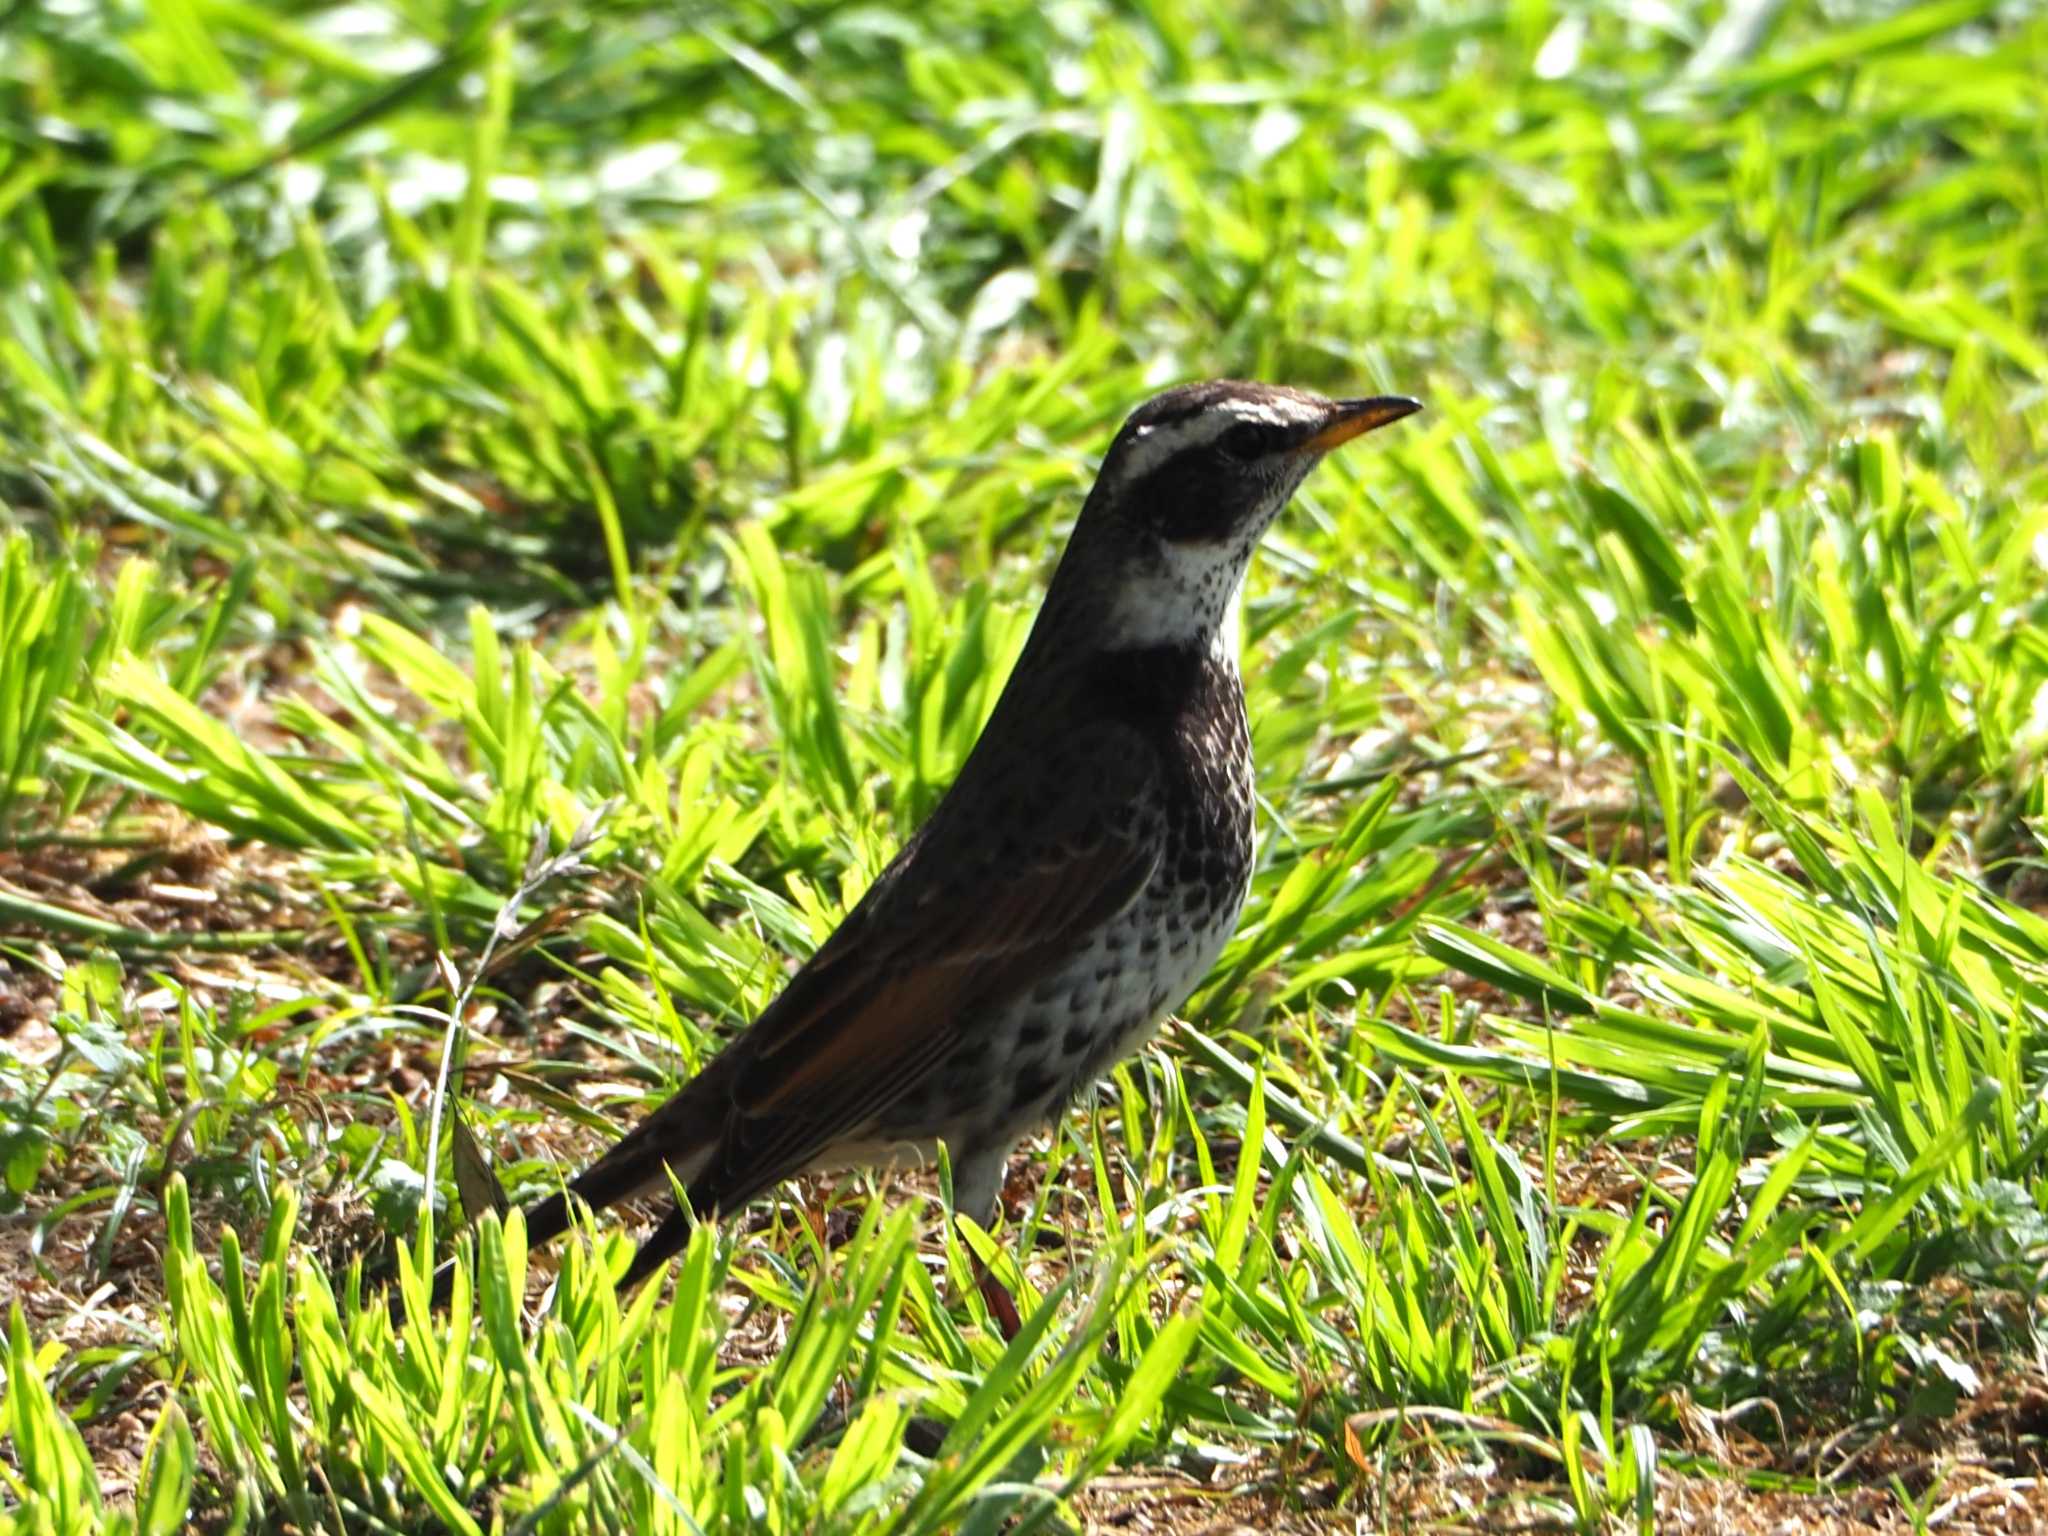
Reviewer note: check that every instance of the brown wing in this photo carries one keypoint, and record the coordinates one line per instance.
(1006, 879)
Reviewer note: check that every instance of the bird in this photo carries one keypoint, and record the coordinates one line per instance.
(1076, 881)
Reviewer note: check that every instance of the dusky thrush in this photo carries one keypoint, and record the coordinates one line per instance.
(1075, 883)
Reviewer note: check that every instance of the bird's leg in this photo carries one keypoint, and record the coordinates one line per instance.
(1002, 1306)
(978, 1187)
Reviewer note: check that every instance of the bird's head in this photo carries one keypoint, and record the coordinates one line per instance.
(1192, 481)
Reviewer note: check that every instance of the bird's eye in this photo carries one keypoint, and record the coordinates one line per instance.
(1246, 441)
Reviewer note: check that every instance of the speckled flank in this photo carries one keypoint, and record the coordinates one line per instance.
(1053, 1040)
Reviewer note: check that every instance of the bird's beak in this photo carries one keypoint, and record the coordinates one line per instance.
(1350, 418)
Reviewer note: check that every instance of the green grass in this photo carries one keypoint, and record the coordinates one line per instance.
(512, 514)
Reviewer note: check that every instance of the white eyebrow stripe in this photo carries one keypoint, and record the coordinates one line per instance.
(1259, 411)
(1152, 446)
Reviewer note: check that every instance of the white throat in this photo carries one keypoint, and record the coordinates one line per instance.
(1187, 597)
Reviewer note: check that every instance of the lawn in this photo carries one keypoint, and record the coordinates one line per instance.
(510, 514)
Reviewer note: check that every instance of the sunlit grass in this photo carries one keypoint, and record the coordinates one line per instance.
(435, 438)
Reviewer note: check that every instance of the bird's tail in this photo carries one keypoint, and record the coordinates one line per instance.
(677, 1140)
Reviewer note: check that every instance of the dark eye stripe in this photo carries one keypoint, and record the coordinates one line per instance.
(1249, 440)
(1187, 499)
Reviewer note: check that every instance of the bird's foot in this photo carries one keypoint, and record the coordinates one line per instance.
(1002, 1306)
